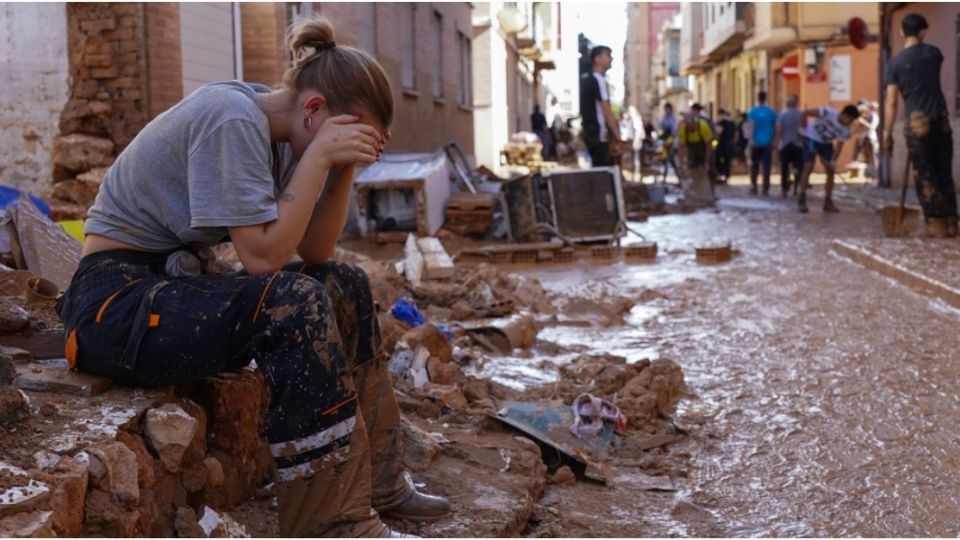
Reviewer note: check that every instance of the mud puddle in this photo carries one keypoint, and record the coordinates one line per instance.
(823, 397)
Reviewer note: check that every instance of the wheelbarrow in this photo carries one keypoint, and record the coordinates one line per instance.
(899, 221)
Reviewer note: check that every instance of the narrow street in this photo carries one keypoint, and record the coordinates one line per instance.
(823, 397)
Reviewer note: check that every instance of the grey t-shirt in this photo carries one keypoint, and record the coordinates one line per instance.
(202, 166)
(789, 122)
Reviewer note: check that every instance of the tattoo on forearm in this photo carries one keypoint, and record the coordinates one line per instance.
(287, 197)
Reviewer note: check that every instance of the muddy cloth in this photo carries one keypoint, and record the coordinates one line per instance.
(916, 72)
(312, 331)
(932, 158)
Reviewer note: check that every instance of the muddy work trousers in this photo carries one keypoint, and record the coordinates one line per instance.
(932, 158)
(313, 332)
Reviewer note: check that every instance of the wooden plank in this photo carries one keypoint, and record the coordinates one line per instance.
(413, 261)
(54, 376)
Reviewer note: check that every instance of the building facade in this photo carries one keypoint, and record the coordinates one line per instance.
(644, 22)
(100, 71)
(781, 48)
(515, 46)
(668, 84)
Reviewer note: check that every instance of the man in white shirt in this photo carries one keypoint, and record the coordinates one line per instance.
(598, 121)
(825, 138)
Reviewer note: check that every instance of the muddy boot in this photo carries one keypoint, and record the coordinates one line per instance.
(934, 228)
(394, 494)
(335, 500)
(829, 207)
(802, 203)
(952, 227)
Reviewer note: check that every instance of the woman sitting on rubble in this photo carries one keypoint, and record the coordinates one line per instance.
(271, 171)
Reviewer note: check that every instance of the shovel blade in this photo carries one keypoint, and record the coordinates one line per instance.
(899, 223)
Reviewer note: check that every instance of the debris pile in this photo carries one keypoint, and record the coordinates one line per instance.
(133, 464)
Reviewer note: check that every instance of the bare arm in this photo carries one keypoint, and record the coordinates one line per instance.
(329, 216)
(890, 115)
(266, 247)
(612, 124)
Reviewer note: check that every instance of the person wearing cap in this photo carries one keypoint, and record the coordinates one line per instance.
(764, 120)
(696, 147)
(914, 73)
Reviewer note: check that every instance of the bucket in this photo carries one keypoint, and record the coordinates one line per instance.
(41, 290)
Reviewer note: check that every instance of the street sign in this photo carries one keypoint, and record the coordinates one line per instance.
(790, 69)
(858, 32)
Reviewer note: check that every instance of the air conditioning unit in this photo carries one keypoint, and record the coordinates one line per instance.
(584, 205)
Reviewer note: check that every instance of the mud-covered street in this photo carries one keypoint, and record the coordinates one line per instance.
(822, 395)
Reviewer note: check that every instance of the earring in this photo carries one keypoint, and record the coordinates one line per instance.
(306, 122)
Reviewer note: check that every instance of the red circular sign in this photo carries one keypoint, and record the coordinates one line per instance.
(790, 68)
(858, 32)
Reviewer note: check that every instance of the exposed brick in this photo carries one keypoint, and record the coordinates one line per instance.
(103, 73)
(98, 25)
(97, 60)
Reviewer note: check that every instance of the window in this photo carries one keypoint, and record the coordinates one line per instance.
(367, 26)
(465, 97)
(437, 55)
(408, 25)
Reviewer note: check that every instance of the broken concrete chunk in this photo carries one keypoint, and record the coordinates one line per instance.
(21, 493)
(69, 477)
(17, 356)
(214, 471)
(56, 377)
(121, 471)
(80, 153)
(28, 525)
(217, 525)
(419, 447)
(170, 430)
(429, 336)
(13, 404)
(563, 477)
(451, 395)
(185, 523)
(13, 318)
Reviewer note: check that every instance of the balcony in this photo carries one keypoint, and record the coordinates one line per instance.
(772, 29)
(674, 85)
(724, 34)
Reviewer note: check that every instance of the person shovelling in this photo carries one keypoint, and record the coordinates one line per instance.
(914, 73)
(271, 171)
(824, 138)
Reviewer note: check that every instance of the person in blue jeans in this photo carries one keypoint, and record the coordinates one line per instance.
(764, 120)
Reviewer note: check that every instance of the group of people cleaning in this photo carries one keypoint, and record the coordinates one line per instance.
(799, 137)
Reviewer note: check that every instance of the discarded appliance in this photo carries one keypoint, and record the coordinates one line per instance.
(403, 193)
(581, 205)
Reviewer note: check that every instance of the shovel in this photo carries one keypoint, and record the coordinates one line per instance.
(900, 220)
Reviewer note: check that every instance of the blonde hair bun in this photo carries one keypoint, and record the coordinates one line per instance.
(306, 36)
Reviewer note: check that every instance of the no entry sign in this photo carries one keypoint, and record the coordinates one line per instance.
(790, 68)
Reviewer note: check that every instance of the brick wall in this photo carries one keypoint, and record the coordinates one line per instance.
(163, 60)
(263, 26)
(421, 123)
